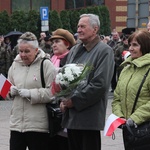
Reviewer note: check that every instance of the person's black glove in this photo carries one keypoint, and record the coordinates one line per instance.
(131, 123)
(121, 126)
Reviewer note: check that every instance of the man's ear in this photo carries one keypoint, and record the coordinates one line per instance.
(96, 29)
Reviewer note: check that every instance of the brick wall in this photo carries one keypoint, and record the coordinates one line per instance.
(118, 13)
(58, 5)
(5, 5)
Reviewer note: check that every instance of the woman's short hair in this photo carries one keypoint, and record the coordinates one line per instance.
(143, 39)
(29, 38)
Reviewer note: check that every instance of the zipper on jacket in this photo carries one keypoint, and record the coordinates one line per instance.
(126, 95)
(24, 99)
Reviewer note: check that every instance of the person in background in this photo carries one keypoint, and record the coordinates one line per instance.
(148, 26)
(85, 110)
(119, 53)
(47, 47)
(62, 40)
(15, 51)
(28, 118)
(76, 36)
(7, 42)
(113, 43)
(106, 39)
(14, 48)
(135, 67)
(9, 51)
(41, 40)
(3, 58)
(115, 39)
(6, 57)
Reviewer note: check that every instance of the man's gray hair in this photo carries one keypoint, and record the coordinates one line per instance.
(93, 19)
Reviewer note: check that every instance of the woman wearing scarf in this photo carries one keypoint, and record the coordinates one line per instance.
(62, 40)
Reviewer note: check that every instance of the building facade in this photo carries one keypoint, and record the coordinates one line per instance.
(118, 13)
(117, 8)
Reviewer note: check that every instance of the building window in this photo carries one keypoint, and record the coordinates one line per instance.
(37, 4)
(73, 4)
(20, 5)
(94, 2)
(27, 5)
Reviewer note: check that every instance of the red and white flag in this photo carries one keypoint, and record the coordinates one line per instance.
(4, 86)
(112, 123)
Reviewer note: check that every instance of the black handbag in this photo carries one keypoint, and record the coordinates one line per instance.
(54, 118)
(137, 137)
(53, 110)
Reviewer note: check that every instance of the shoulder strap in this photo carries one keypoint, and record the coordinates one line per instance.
(139, 90)
(41, 73)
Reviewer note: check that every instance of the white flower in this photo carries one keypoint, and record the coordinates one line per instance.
(59, 77)
(77, 71)
(70, 76)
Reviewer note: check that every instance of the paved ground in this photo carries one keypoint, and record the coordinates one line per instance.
(107, 142)
(5, 107)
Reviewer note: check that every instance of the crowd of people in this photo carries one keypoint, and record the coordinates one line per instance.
(118, 61)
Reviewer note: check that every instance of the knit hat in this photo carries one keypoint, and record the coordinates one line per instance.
(28, 36)
(63, 34)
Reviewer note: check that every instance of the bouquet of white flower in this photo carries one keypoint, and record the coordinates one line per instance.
(69, 77)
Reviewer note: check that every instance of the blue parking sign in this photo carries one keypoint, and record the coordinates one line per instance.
(44, 13)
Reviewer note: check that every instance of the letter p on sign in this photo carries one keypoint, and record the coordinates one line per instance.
(44, 13)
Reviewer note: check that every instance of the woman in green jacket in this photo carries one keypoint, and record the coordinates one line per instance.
(128, 84)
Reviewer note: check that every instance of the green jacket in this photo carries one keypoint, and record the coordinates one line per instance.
(127, 87)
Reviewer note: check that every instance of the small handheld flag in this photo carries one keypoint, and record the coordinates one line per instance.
(4, 86)
(112, 123)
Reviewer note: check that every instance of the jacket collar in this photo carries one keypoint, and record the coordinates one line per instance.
(91, 44)
(139, 62)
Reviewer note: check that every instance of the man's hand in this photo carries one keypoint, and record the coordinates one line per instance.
(62, 107)
(68, 103)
